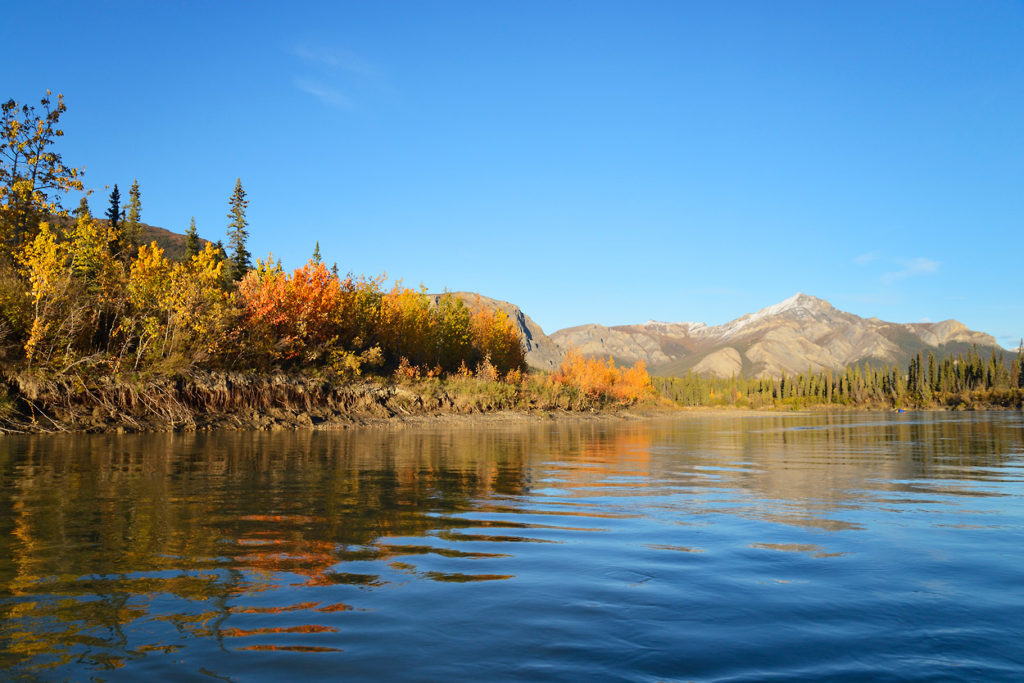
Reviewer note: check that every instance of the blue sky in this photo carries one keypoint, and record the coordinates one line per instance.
(590, 161)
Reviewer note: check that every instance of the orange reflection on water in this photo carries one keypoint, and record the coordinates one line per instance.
(305, 628)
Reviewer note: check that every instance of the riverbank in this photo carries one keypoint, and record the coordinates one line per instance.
(246, 401)
(202, 401)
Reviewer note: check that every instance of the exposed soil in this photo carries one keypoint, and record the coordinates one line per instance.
(206, 401)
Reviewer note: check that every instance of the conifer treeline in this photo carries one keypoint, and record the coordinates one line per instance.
(963, 380)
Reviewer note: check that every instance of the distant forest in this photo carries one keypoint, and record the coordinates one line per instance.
(956, 382)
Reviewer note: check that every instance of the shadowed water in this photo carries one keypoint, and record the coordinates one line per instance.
(743, 547)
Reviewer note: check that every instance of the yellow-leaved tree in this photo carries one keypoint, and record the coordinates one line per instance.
(179, 313)
(33, 177)
(77, 294)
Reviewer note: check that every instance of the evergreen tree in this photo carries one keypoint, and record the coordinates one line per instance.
(114, 211)
(191, 240)
(240, 260)
(1020, 365)
(932, 373)
(133, 217)
(316, 253)
(83, 208)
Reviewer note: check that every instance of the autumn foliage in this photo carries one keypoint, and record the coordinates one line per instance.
(600, 380)
(289, 317)
(88, 306)
(311, 316)
(80, 294)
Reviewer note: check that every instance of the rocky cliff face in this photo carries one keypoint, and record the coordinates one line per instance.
(789, 337)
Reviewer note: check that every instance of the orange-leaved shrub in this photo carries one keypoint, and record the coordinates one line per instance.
(601, 380)
(289, 318)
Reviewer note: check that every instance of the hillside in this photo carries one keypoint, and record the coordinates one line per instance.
(789, 337)
(172, 243)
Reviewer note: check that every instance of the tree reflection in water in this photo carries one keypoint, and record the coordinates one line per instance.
(117, 548)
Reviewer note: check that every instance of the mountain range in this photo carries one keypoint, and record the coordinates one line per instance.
(803, 332)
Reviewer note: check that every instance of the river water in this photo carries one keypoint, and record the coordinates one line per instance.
(848, 546)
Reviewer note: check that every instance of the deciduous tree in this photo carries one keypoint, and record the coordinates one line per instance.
(33, 177)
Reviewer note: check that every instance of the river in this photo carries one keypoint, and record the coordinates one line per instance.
(736, 547)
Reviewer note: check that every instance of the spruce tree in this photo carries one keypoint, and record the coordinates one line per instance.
(114, 211)
(191, 240)
(316, 253)
(240, 260)
(1020, 364)
(133, 218)
(83, 208)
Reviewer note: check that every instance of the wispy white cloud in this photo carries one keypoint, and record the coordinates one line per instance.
(337, 77)
(867, 258)
(325, 93)
(338, 59)
(917, 266)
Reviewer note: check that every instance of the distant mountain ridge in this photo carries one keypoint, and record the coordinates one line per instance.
(788, 337)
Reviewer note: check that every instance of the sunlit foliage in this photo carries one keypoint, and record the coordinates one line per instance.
(601, 379)
(178, 311)
(289, 318)
(77, 293)
(33, 177)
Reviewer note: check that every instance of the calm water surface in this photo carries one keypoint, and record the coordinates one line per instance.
(824, 547)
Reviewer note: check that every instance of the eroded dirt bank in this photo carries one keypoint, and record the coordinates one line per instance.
(203, 401)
